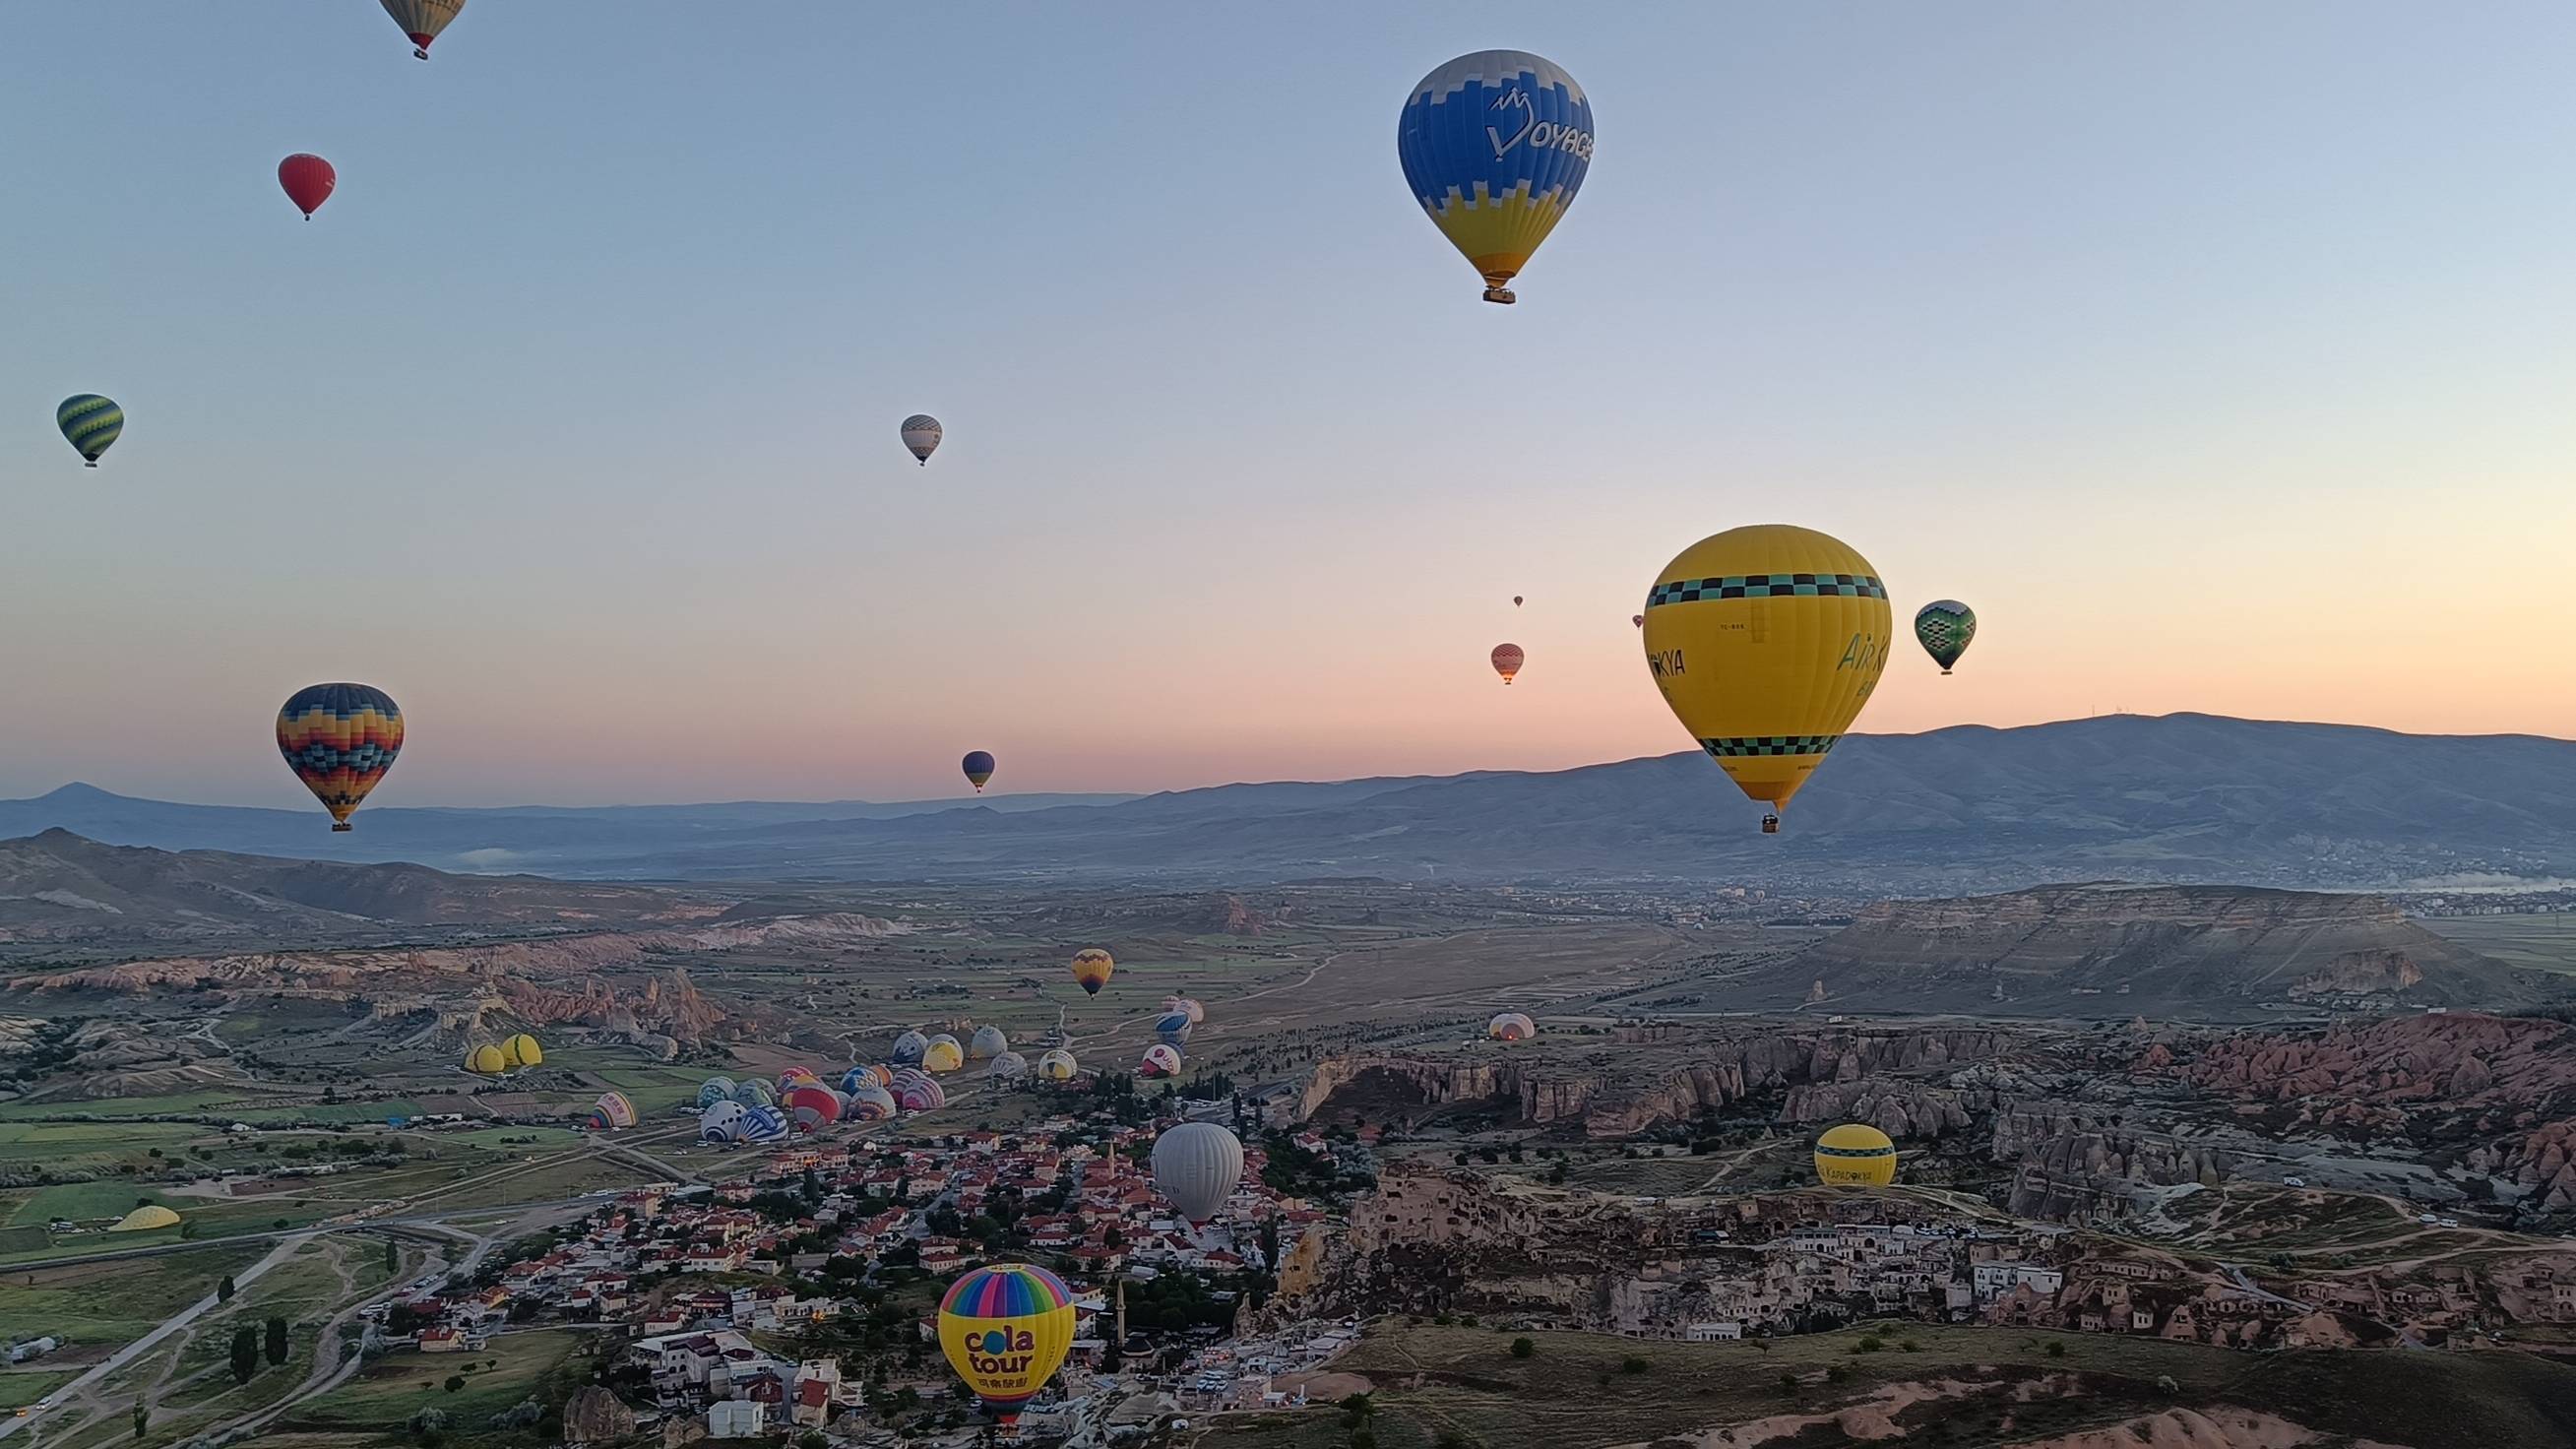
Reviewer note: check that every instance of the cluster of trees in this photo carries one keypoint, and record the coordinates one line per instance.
(251, 1344)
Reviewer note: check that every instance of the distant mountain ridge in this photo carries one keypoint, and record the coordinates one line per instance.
(2172, 798)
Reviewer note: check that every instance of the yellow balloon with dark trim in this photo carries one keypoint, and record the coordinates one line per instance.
(1091, 968)
(1766, 641)
(1006, 1329)
(1855, 1155)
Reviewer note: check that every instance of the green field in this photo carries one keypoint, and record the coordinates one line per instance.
(27, 1385)
(114, 1303)
(1580, 1391)
(395, 1387)
(2534, 943)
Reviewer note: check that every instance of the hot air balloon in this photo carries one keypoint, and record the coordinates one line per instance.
(1516, 601)
(755, 1092)
(870, 1103)
(921, 434)
(978, 766)
(1495, 145)
(1192, 1009)
(340, 739)
(308, 181)
(1162, 1059)
(1058, 1066)
(486, 1061)
(422, 20)
(1511, 1026)
(720, 1121)
(1945, 628)
(919, 1092)
(760, 1124)
(988, 1042)
(89, 423)
(525, 1048)
(794, 1077)
(1855, 1155)
(1637, 619)
(1005, 1329)
(1766, 641)
(1007, 1065)
(858, 1078)
(810, 1106)
(943, 1054)
(1197, 1166)
(1173, 1027)
(908, 1049)
(714, 1090)
(1507, 660)
(1091, 967)
(610, 1113)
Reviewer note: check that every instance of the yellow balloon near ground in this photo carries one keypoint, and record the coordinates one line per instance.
(1854, 1155)
(1766, 641)
(524, 1047)
(486, 1061)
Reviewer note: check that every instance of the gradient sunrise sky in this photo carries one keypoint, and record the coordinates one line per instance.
(2219, 355)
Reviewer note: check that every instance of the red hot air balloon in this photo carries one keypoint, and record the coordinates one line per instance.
(1507, 660)
(308, 181)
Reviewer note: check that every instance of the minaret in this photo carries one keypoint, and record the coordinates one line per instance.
(1122, 1315)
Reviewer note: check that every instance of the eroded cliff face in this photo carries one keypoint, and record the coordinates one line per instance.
(2079, 1165)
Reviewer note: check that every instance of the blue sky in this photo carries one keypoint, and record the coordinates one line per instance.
(2186, 343)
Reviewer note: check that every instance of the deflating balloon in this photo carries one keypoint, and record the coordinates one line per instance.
(1197, 1166)
(921, 434)
(978, 766)
(1058, 1066)
(612, 1112)
(422, 20)
(1008, 1065)
(1495, 145)
(1946, 628)
(1005, 1329)
(1766, 641)
(1196, 1012)
(339, 739)
(308, 181)
(1507, 660)
(1091, 967)
(1511, 1026)
(89, 423)
(1855, 1155)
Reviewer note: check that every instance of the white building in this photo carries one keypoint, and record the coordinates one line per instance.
(737, 1419)
(1723, 1332)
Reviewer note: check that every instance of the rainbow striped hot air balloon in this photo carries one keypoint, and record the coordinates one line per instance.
(1495, 145)
(611, 1113)
(340, 739)
(89, 423)
(1006, 1329)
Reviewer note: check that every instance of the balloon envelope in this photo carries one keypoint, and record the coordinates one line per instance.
(1766, 641)
(1173, 1027)
(1162, 1059)
(1197, 1166)
(422, 20)
(1855, 1155)
(714, 1090)
(1508, 659)
(908, 1049)
(978, 766)
(1058, 1066)
(988, 1042)
(720, 1121)
(1945, 628)
(90, 423)
(1091, 967)
(308, 181)
(1495, 145)
(810, 1107)
(1511, 1026)
(340, 739)
(921, 435)
(754, 1092)
(1005, 1329)
(943, 1055)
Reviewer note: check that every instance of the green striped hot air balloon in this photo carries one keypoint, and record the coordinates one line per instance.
(89, 423)
(1945, 627)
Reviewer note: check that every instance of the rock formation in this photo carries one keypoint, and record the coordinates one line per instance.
(594, 1416)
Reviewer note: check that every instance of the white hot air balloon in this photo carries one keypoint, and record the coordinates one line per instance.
(921, 433)
(988, 1041)
(1197, 1166)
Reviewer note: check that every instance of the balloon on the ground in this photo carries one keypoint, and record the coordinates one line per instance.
(1508, 659)
(714, 1090)
(760, 1124)
(810, 1106)
(1945, 628)
(988, 1042)
(755, 1092)
(1058, 1066)
(307, 181)
(522, 1050)
(943, 1054)
(90, 423)
(1766, 641)
(1007, 1065)
(612, 1112)
(1511, 1026)
(720, 1121)
(1197, 1166)
(908, 1049)
(797, 1077)
(864, 1076)
(1196, 1012)
(921, 434)
(340, 739)
(1162, 1059)
(916, 1091)
(1495, 145)
(978, 766)
(1173, 1027)
(1006, 1329)
(1091, 968)
(1855, 1155)
(422, 20)
(486, 1061)
(871, 1102)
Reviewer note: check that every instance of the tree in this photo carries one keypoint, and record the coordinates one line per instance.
(393, 1257)
(142, 1420)
(245, 1353)
(276, 1339)
(454, 1382)
(1523, 1348)
(224, 1290)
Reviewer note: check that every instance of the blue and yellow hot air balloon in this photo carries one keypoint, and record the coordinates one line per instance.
(1005, 1329)
(978, 766)
(1766, 641)
(340, 739)
(89, 423)
(1495, 145)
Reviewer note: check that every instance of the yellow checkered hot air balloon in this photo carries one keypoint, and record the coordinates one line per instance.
(1855, 1155)
(1766, 641)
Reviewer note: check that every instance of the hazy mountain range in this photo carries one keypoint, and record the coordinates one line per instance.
(2174, 798)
